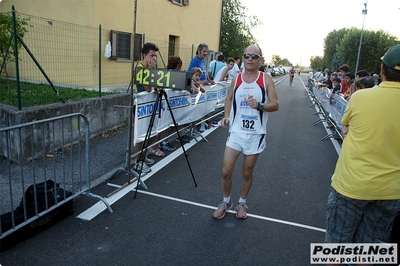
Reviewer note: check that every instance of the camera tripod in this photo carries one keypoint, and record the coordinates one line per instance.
(157, 108)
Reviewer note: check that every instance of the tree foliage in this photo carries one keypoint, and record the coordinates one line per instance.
(374, 45)
(330, 42)
(6, 34)
(276, 60)
(316, 62)
(285, 62)
(235, 28)
(341, 47)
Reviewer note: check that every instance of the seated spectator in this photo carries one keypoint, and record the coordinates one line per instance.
(174, 63)
(196, 85)
(223, 74)
(235, 70)
(196, 88)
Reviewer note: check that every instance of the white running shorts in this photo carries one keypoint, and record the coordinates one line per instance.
(247, 143)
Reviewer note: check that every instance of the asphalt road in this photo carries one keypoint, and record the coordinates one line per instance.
(171, 222)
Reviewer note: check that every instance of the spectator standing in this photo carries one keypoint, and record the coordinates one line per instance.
(318, 76)
(198, 61)
(310, 74)
(216, 66)
(343, 70)
(367, 82)
(351, 87)
(149, 60)
(362, 73)
(365, 193)
(251, 97)
(328, 83)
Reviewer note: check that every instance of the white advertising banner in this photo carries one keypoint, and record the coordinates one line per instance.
(338, 107)
(323, 95)
(186, 108)
(334, 110)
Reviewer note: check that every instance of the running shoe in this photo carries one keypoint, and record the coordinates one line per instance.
(241, 210)
(221, 210)
(164, 146)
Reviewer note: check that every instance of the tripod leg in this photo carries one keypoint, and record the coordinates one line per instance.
(145, 146)
(180, 138)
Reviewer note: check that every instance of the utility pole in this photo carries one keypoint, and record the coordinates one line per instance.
(364, 12)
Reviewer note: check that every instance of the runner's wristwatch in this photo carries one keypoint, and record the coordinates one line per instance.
(260, 106)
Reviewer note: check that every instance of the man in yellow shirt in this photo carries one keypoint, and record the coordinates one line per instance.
(366, 182)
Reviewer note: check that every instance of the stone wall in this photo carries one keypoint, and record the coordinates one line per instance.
(102, 114)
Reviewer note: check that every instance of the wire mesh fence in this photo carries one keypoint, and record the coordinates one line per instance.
(61, 61)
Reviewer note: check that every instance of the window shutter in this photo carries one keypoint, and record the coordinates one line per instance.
(185, 2)
(137, 53)
(113, 37)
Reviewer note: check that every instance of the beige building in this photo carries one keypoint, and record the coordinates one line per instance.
(71, 56)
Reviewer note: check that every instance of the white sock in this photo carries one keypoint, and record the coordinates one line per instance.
(242, 200)
(227, 199)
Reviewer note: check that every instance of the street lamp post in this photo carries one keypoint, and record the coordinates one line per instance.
(364, 12)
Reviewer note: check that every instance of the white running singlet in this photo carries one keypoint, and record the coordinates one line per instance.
(243, 118)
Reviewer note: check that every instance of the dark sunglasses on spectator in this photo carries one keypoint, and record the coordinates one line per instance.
(253, 56)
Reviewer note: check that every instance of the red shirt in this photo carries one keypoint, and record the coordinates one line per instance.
(344, 87)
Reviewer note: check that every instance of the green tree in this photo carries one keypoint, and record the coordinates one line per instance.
(6, 34)
(235, 28)
(374, 45)
(276, 60)
(316, 62)
(7, 43)
(285, 62)
(330, 42)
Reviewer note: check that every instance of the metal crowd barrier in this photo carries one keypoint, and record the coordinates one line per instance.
(53, 151)
(331, 114)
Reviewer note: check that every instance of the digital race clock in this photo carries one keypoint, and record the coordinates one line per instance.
(163, 78)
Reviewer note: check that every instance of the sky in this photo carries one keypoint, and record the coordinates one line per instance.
(295, 29)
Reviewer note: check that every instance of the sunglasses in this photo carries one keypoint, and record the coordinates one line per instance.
(253, 56)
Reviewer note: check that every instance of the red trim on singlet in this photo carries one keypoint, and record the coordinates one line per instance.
(260, 80)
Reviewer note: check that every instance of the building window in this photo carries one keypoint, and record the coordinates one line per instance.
(120, 45)
(172, 45)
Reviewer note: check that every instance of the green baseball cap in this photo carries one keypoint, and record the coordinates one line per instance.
(392, 57)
